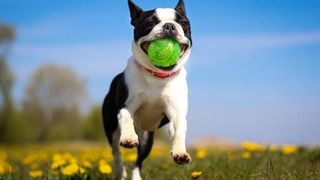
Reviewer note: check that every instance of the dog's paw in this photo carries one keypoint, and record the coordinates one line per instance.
(181, 158)
(129, 142)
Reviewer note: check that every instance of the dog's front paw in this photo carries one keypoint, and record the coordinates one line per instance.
(181, 158)
(129, 142)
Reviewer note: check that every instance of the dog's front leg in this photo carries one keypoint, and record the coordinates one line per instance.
(178, 129)
(128, 136)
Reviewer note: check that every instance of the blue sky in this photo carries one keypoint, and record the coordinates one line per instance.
(254, 73)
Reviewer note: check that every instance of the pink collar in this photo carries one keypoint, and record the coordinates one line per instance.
(155, 73)
(160, 74)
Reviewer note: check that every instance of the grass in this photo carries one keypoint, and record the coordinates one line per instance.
(231, 165)
(94, 162)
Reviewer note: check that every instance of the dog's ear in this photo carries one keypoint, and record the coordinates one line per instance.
(135, 12)
(180, 7)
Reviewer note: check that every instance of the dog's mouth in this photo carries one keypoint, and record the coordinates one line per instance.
(145, 45)
(183, 47)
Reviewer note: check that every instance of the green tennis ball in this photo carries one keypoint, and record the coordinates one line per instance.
(164, 52)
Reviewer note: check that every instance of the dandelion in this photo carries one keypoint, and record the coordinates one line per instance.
(86, 164)
(58, 161)
(57, 157)
(289, 149)
(246, 155)
(69, 158)
(82, 170)
(36, 173)
(57, 164)
(196, 174)
(2, 168)
(70, 169)
(252, 147)
(201, 153)
(104, 167)
(5, 167)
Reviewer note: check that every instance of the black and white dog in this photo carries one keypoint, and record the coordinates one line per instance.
(145, 97)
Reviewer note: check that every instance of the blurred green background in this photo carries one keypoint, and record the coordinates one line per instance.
(51, 105)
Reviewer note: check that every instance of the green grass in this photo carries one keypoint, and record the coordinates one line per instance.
(217, 164)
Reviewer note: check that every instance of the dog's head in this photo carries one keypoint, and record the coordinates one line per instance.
(160, 23)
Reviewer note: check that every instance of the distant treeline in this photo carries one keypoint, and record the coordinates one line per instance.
(52, 104)
(51, 109)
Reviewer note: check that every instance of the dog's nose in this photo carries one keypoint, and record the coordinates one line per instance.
(169, 28)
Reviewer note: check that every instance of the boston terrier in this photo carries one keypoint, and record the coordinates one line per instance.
(145, 97)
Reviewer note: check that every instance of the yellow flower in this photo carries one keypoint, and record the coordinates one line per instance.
(196, 174)
(252, 147)
(69, 158)
(57, 157)
(36, 173)
(58, 163)
(246, 155)
(105, 168)
(5, 167)
(289, 149)
(2, 169)
(273, 148)
(82, 170)
(70, 169)
(87, 164)
(201, 153)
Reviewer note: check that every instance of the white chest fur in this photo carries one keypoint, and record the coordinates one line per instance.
(150, 97)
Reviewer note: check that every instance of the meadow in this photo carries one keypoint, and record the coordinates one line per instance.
(94, 161)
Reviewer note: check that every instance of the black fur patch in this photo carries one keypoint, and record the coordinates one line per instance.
(114, 101)
(145, 24)
(184, 22)
(144, 149)
(142, 21)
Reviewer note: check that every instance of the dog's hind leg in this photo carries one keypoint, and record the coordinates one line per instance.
(120, 170)
(144, 148)
(114, 101)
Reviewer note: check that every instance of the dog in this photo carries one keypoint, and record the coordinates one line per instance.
(146, 97)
